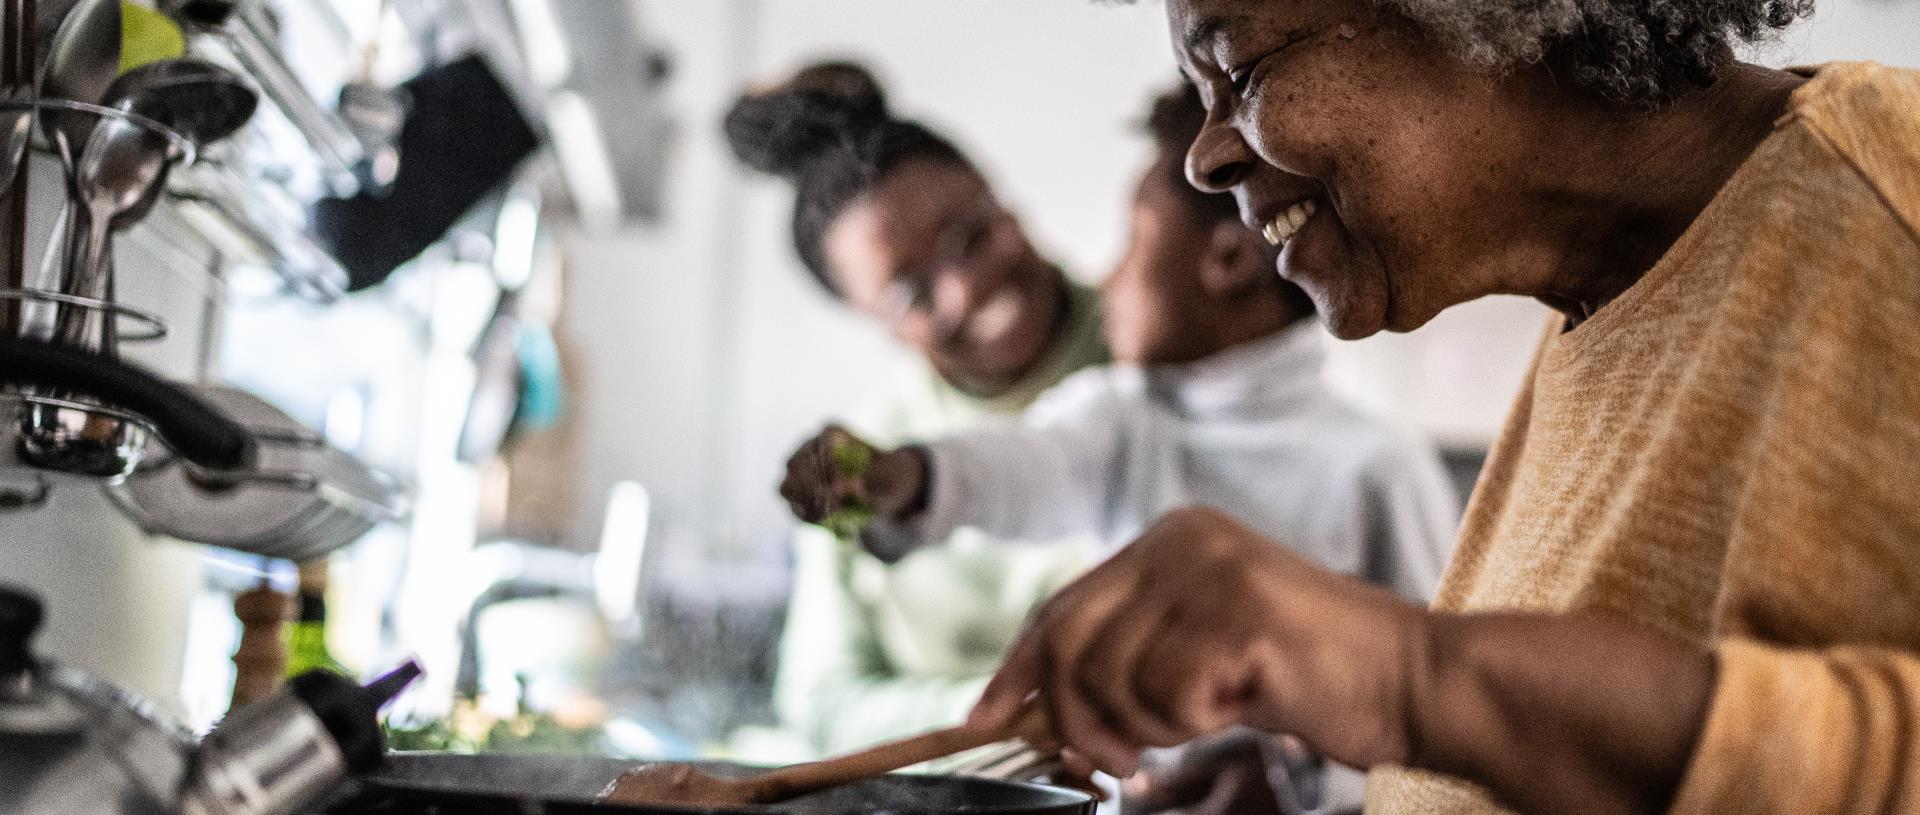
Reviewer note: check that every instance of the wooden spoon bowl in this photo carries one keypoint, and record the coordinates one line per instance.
(684, 785)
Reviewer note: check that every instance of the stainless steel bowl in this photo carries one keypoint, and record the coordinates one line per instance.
(79, 437)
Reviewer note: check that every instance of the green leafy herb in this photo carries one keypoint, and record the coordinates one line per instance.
(434, 735)
(852, 460)
(469, 730)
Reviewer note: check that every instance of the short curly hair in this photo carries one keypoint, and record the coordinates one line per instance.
(1644, 52)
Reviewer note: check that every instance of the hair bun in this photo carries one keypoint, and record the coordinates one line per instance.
(823, 107)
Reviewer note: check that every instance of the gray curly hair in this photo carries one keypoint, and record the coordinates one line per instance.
(1644, 52)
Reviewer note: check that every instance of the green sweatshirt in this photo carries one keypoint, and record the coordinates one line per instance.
(875, 651)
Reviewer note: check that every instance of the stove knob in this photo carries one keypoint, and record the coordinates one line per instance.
(20, 616)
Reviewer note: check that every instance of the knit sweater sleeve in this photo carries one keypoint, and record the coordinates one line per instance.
(1790, 730)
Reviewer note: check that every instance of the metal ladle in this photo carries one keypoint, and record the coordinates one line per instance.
(125, 164)
(197, 99)
(124, 161)
(203, 101)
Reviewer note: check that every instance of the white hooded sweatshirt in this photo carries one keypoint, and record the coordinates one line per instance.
(1251, 430)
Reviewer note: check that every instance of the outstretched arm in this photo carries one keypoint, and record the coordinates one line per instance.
(1044, 478)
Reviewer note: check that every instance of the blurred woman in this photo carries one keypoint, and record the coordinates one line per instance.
(1689, 579)
(893, 220)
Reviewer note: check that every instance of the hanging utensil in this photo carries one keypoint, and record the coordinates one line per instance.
(86, 56)
(124, 160)
(203, 101)
(82, 61)
(18, 77)
(199, 100)
(301, 499)
(16, 128)
(125, 164)
(374, 114)
(194, 429)
(82, 64)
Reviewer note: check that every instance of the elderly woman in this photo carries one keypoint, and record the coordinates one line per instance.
(1690, 576)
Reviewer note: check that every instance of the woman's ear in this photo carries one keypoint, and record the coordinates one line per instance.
(1234, 264)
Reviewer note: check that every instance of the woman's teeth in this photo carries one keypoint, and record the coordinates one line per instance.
(996, 319)
(1282, 228)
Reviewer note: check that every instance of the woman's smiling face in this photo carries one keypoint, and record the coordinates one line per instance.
(931, 253)
(1383, 165)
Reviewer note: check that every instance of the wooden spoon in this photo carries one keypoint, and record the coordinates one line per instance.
(683, 784)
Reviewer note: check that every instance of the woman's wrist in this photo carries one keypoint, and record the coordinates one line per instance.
(1441, 694)
(1416, 682)
(1373, 685)
(1458, 685)
(1545, 709)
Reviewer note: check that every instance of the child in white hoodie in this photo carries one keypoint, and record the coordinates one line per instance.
(1217, 399)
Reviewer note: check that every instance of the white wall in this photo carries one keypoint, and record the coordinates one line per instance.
(709, 352)
(1887, 31)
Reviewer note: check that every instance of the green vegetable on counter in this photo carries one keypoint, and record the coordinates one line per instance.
(469, 730)
(431, 735)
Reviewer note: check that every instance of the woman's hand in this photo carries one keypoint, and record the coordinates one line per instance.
(1238, 772)
(1202, 624)
(836, 472)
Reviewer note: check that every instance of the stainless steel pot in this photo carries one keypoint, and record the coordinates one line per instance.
(499, 784)
(70, 744)
(301, 500)
(195, 430)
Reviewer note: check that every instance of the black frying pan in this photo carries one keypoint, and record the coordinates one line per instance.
(501, 784)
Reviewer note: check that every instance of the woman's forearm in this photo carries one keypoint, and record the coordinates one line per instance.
(1558, 714)
(1202, 623)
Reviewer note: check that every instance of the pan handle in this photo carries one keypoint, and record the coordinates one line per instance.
(195, 430)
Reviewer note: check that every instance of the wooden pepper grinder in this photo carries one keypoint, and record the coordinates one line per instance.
(260, 663)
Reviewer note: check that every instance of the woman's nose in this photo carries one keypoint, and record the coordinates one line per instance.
(1219, 158)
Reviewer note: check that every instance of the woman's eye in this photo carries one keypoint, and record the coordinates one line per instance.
(904, 297)
(1240, 78)
(1243, 77)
